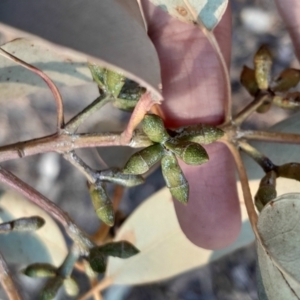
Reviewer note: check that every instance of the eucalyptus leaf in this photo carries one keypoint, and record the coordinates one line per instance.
(91, 30)
(165, 251)
(206, 12)
(63, 69)
(279, 229)
(272, 283)
(45, 245)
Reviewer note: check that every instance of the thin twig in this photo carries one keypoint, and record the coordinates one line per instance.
(65, 270)
(102, 285)
(143, 106)
(76, 121)
(249, 109)
(76, 161)
(41, 201)
(65, 143)
(272, 137)
(265, 163)
(245, 187)
(7, 281)
(49, 82)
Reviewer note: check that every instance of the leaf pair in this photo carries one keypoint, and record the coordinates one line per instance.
(184, 144)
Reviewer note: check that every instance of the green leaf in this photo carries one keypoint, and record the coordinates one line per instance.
(40, 270)
(206, 12)
(122, 249)
(279, 229)
(97, 260)
(165, 251)
(51, 288)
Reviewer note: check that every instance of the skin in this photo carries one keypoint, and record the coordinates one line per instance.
(193, 90)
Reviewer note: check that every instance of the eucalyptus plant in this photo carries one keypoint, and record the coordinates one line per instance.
(171, 148)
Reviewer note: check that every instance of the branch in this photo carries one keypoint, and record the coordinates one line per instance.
(49, 82)
(75, 122)
(265, 163)
(41, 201)
(7, 281)
(64, 143)
(102, 285)
(245, 187)
(143, 106)
(249, 109)
(76, 161)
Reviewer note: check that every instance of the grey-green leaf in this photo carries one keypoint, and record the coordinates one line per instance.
(279, 228)
(206, 12)
(272, 283)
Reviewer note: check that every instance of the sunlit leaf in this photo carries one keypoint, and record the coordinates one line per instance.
(46, 245)
(109, 33)
(206, 12)
(279, 228)
(164, 250)
(63, 69)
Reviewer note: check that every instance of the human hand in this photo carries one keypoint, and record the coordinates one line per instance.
(194, 92)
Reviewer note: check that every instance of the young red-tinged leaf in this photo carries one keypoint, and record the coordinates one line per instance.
(290, 170)
(287, 79)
